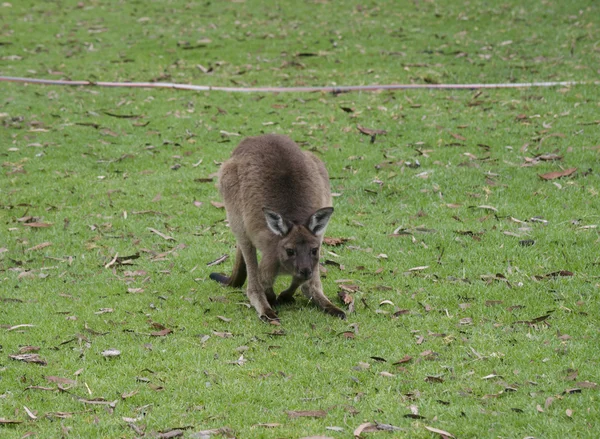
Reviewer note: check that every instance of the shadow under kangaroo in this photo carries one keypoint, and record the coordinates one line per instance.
(278, 201)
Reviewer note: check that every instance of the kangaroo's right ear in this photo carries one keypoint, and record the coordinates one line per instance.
(318, 221)
(277, 224)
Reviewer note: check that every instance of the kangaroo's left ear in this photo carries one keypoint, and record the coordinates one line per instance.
(318, 221)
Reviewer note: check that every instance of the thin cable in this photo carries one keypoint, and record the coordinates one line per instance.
(329, 89)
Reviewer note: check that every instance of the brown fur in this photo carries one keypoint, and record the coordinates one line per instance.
(278, 202)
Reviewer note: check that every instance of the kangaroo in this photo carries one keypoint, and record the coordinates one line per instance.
(278, 202)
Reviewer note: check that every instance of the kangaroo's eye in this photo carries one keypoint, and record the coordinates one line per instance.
(290, 251)
(314, 251)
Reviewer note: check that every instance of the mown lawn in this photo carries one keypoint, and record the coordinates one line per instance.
(467, 235)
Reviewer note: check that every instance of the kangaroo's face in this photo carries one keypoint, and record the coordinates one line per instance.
(299, 245)
(298, 252)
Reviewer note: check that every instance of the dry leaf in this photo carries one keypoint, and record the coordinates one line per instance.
(334, 242)
(27, 349)
(218, 261)
(434, 379)
(98, 401)
(370, 131)
(306, 413)
(170, 434)
(129, 394)
(29, 358)
(10, 421)
(335, 428)
(548, 157)
(39, 246)
(421, 268)
(349, 334)
(239, 362)
(458, 137)
(557, 174)
(553, 274)
(268, 425)
(493, 302)
(388, 427)
(442, 433)
(162, 235)
(205, 434)
(490, 376)
(111, 353)
(60, 415)
(347, 299)
(46, 389)
(37, 225)
(485, 207)
(404, 359)
(60, 380)
(429, 354)
(217, 204)
(24, 325)
(367, 427)
(31, 414)
(135, 273)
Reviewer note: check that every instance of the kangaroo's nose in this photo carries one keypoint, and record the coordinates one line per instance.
(305, 273)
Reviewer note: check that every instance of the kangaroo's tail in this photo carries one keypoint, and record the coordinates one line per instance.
(238, 275)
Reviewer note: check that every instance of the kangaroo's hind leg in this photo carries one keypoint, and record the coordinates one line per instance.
(254, 290)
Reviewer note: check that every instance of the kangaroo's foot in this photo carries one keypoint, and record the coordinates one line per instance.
(269, 316)
(334, 311)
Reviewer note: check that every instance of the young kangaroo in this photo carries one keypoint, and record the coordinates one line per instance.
(278, 201)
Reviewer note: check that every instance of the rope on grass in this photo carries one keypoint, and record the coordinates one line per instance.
(329, 89)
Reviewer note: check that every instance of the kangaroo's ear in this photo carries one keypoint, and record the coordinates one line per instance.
(318, 221)
(277, 224)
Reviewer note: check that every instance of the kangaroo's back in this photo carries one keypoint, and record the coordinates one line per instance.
(272, 171)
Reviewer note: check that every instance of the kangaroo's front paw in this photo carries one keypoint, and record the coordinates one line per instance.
(269, 316)
(271, 297)
(336, 312)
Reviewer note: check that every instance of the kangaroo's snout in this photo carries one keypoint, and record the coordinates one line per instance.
(306, 273)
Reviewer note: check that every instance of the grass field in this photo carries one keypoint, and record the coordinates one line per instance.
(465, 237)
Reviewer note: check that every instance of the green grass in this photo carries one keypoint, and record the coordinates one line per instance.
(101, 182)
